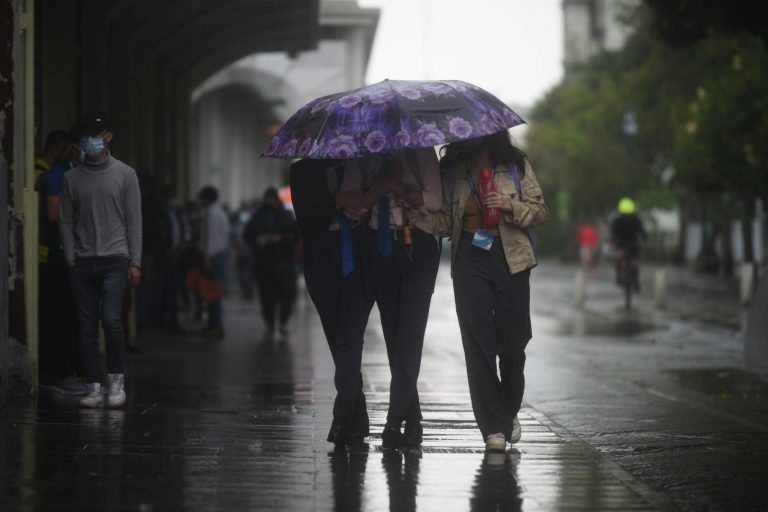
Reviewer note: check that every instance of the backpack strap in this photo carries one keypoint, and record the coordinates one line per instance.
(514, 176)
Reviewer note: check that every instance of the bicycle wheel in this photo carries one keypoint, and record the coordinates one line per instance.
(629, 282)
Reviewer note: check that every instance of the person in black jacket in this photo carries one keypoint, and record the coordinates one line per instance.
(272, 234)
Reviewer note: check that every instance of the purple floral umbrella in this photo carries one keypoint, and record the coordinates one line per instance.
(390, 116)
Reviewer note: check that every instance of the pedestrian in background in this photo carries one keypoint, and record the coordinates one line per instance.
(214, 245)
(155, 259)
(491, 266)
(100, 223)
(588, 240)
(272, 234)
(60, 364)
(243, 253)
(56, 145)
(178, 238)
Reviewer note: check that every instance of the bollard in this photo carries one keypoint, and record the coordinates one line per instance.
(660, 288)
(747, 283)
(579, 288)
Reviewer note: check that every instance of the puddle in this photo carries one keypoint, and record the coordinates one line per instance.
(723, 383)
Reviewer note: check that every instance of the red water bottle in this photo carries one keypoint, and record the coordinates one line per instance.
(491, 216)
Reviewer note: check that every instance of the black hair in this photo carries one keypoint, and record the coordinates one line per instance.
(208, 194)
(500, 147)
(271, 192)
(58, 139)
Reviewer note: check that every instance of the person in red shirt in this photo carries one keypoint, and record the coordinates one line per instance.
(588, 240)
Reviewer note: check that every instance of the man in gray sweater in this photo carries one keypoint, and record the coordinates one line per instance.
(100, 224)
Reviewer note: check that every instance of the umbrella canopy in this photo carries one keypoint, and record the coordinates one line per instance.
(390, 116)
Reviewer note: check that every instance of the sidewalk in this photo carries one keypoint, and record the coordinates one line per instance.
(240, 425)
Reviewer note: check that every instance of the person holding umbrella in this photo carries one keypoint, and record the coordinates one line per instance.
(402, 275)
(491, 266)
(399, 261)
(325, 206)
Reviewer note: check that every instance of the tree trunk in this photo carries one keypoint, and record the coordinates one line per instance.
(726, 225)
(707, 261)
(682, 236)
(746, 228)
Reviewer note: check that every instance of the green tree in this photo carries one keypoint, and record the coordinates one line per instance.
(720, 142)
(701, 111)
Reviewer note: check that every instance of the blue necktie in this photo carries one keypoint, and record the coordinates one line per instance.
(385, 238)
(347, 249)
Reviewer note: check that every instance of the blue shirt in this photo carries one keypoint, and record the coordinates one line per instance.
(52, 179)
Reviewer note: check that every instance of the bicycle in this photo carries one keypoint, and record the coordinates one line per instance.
(628, 276)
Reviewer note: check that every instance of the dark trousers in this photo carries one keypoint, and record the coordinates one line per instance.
(218, 274)
(277, 286)
(321, 257)
(244, 265)
(402, 283)
(321, 261)
(153, 304)
(59, 350)
(99, 283)
(355, 304)
(494, 318)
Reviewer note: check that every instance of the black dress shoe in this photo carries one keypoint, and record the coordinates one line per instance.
(344, 432)
(391, 436)
(413, 434)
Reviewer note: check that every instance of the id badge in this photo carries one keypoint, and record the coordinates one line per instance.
(483, 240)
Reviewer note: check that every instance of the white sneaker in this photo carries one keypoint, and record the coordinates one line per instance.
(116, 396)
(516, 431)
(94, 398)
(495, 442)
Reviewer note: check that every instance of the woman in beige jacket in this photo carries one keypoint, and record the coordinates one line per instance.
(491, 267)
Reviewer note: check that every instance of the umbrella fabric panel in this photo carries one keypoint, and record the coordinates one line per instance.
(390, 116)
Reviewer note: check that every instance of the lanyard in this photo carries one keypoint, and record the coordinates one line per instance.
(472, 187)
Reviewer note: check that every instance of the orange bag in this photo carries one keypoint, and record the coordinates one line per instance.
(203, 286)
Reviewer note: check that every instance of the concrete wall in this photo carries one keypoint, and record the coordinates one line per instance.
(231, 132)
(15, 50)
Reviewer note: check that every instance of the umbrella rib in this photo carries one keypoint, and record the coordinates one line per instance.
(322, 126)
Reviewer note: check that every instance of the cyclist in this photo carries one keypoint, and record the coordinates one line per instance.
(628, 235)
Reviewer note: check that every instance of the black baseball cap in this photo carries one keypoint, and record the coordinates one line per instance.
(96, 122)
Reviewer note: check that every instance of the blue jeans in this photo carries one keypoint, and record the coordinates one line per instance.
(99, 283)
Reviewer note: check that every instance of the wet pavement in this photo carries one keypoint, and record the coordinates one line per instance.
(644, 410)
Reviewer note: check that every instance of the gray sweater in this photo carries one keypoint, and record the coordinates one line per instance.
(100, 213)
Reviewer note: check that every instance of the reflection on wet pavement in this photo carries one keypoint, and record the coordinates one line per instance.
(723, 383)
(240, 425)
(496, 486)
(620, 325)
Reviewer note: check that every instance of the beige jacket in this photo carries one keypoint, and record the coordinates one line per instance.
(527, 212)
